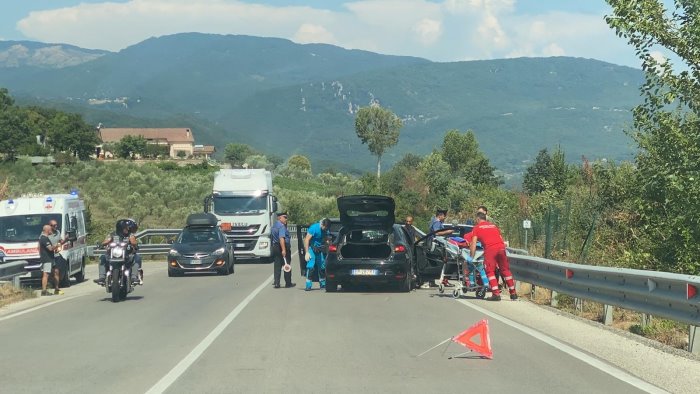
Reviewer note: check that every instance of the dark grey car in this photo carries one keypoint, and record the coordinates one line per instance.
(201, 248)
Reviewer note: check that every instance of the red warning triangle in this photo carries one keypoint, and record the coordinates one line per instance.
(482, 330)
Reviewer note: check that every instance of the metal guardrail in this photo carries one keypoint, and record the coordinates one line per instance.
(673, 296)
(147, 248)
(12, 271)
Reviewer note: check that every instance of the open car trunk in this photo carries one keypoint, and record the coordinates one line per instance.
(365, 244)
(365, 251)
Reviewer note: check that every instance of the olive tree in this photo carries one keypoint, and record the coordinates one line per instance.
(379, 128)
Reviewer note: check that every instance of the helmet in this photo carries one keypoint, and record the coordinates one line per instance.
(128, 224)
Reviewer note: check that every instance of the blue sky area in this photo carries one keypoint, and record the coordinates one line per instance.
(439, 30)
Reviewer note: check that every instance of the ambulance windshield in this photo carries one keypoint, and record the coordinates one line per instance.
(25, 228)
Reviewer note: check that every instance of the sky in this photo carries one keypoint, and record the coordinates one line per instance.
(438, 30)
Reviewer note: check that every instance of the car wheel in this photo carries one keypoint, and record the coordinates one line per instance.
(173, 273)
(407, 284)
(64, 280)
(331, 287)
(80, 276)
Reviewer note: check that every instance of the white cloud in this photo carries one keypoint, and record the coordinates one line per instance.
(428, 30)
(443, 31)
(310, 33)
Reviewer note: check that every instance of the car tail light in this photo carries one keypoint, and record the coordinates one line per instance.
(333, 248)
(399, 249)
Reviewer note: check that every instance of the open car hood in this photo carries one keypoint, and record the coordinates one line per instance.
(367, 212)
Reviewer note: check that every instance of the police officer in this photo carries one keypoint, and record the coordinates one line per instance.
(282, 251)
(315, 247)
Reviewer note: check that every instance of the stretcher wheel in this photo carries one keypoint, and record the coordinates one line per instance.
(441, 288)
(455, 293)
(481, 293)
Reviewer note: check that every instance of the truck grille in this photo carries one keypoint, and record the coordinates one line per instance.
(245, 230)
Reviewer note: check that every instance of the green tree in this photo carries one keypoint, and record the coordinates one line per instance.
(379, 128)
(236, 154)
(666, 128)
(69, 133)
(15, 132)
(462, 154)
(300, 162)
(130, 146)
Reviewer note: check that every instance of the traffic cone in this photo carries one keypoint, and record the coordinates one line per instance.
(482, 330)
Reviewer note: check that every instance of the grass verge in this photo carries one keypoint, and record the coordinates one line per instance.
(10, 294)
(665, 331)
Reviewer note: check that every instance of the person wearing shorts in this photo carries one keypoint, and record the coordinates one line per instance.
(48, 261)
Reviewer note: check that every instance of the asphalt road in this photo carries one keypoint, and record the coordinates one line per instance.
(224, 334)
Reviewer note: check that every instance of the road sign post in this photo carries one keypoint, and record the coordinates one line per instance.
(526, 225)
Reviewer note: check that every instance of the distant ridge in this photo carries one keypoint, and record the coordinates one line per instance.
(283, 98)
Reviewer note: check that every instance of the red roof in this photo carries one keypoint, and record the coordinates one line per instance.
(170, 135)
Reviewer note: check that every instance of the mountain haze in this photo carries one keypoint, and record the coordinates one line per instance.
(285, 98)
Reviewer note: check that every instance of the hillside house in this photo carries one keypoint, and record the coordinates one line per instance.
(203, 151)
(177, 139)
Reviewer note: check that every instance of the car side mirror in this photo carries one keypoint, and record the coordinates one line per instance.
(72, 235)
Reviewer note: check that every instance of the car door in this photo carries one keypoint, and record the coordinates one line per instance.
(428, 268)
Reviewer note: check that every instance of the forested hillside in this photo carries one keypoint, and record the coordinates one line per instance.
(282, 98)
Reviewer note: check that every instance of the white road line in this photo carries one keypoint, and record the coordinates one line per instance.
(20, 313)
(592, 361)
(186, 362)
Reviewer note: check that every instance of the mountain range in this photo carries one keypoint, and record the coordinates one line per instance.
(284, 98)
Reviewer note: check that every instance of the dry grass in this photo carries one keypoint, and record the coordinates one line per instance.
(665, 331)
(10, 294)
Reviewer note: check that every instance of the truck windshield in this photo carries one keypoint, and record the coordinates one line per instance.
(240, 205)
(25, 228)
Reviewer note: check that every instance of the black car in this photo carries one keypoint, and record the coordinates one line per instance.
(370, 248)
(201, 247)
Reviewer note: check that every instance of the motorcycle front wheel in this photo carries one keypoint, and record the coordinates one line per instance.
(116, 285)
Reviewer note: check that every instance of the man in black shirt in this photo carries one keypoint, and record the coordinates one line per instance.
(48, 262)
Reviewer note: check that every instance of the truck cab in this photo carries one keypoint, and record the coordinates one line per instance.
(245, 208)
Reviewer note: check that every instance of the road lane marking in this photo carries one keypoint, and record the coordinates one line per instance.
(592, 361)
(186, 362)
(20, 313)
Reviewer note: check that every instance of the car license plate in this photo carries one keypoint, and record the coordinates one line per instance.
(364, 272)
(195, 262)
(239, 245)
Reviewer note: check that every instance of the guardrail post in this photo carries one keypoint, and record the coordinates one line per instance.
(555, 299)
(693, 340)
(646, 320)
(578, 302)
(608, 315)
(15, 281)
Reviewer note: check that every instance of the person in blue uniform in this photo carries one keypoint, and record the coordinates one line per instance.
(281, 251)
(316, 251)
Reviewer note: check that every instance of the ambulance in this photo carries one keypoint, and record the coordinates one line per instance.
(21, 222)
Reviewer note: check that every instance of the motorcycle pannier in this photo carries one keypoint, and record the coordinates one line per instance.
(201, 219)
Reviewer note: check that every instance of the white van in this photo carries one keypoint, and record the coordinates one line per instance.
(21, 222)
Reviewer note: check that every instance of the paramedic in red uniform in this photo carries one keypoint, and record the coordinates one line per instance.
(494, 255)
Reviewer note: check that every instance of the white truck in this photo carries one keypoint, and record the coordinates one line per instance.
(243, 203)
(21, 222)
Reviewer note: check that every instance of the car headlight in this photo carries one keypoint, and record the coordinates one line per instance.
(174, 253)
(218, 252)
